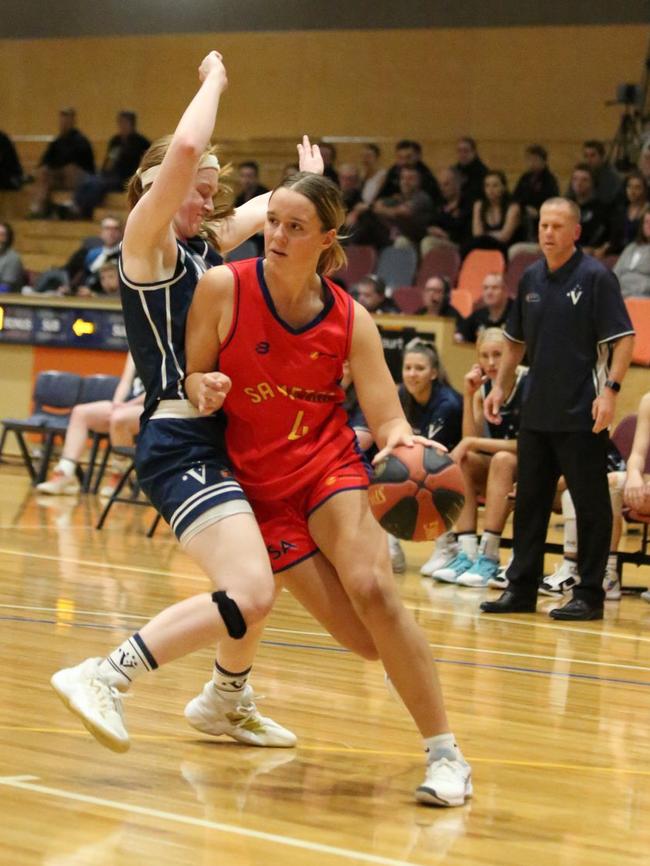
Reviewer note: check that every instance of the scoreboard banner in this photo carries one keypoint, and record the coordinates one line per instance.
(68, 327)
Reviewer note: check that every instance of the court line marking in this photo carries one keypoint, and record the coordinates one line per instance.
(349, 750)
(495, 618)
(316, 634)
(26, 784)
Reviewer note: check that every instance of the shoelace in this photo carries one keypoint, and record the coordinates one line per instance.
(108, 697)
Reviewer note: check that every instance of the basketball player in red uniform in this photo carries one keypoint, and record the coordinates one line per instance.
(279, 332)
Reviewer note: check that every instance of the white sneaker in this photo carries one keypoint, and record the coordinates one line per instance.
(480, 573)
(612, 585)
(60, 484)
(445, 550)
(88, 694)
(212, 713)
(397, 558)
(452, 570)
(446, 783)
(646, 595)
(564, 578)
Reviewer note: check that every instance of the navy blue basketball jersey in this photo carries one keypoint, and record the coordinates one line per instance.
(511, 408)
(155, 315)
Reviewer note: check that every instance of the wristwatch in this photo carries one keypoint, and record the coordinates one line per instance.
(615, 386)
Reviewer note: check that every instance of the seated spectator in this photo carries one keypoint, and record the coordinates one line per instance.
(350, 184)
(407, 212)
(12, 271)
(64, 163)
(328, 152)
(249, 182)
(644, 163)
(372, 176)
(534, 186)
(120, 417)
(471, 168)
(432, 407)
(371, 294)
(108, 285)
(11, 171)
(633, 265)
(80, 274)
(451, 221)
(608, 184)
(488, 461)
(496, 218)
(594, 216)
(493, 313)
(408, 154)
(626, 218)
(289, 170)
(123, 154)
(436, 296)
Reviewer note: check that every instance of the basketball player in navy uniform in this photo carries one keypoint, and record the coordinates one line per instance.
(570, 319)
(180, 457)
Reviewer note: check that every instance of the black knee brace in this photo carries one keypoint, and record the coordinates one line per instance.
(230, 614)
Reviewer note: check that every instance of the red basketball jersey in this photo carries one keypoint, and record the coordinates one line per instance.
(286, 423)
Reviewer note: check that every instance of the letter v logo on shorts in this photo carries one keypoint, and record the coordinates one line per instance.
(197, 473)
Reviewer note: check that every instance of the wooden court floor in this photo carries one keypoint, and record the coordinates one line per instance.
(555, 719)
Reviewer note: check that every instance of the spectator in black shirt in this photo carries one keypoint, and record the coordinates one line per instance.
(249, 182)
(594, 222)
(626, 218)
(328, 152)
(608, 184)
(436, 296)
(65, 161)
(123, 155)
(371, 294)
(471, 168)
(452, 218)
(534, 186)
(11, 171)
(408, 154)
(493, 313)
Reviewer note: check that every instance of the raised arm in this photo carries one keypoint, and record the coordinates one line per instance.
(149, 224)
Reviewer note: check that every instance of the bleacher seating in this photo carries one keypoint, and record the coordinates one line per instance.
(475, 267)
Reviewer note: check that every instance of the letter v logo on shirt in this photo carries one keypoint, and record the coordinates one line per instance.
(575, 294)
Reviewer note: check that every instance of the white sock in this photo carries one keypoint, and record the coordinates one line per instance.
(468, 542)
(570, 525)
(612, 562)
(228, 682)
(127, 662)
(66, 466)
(489, 547)
(442, 746)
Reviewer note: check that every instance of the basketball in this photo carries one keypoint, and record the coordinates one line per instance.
(417, 493)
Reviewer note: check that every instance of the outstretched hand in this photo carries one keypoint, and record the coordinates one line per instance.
(309, 157)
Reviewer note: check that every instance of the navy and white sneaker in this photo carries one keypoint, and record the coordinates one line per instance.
(563, 579)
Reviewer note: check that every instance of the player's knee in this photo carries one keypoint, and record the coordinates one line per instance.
(502, 460)
(371, 594)
(241, 610)
(232, 615)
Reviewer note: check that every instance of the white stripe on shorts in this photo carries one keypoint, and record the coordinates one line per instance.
(211, 492)
(214, 515)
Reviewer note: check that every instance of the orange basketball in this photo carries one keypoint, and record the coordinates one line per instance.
(417, 493)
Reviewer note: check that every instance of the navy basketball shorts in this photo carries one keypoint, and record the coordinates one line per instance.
(183, 469)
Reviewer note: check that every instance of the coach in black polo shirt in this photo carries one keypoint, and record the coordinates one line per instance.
(569, 317)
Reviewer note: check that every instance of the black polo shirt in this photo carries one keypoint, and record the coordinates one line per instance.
(568, 320)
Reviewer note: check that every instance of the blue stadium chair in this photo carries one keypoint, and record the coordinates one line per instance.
(397, 265)
(55, 393)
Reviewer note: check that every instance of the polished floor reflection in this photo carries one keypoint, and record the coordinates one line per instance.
(555, 719)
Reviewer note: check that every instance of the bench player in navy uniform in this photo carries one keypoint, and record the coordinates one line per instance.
(570, 319)
(180, 457)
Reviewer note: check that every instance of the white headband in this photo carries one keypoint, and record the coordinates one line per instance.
(147, 177)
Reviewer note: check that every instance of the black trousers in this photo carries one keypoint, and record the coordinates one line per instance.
(541, 458)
